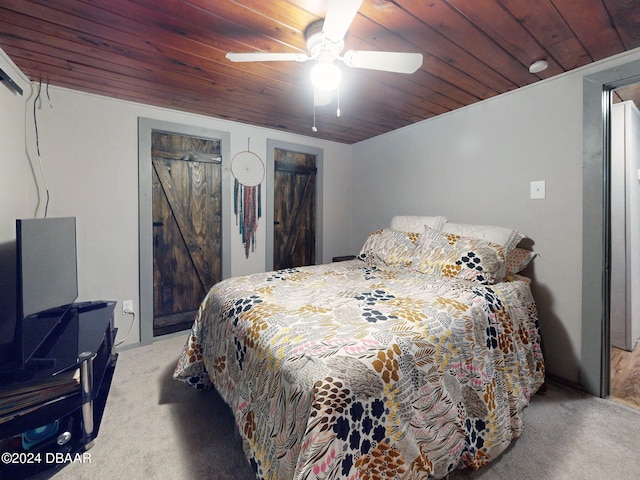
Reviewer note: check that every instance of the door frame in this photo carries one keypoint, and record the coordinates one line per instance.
(145, 230)
(596, 224)
(269, 183)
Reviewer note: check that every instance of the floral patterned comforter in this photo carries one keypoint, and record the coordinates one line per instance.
(351, 371)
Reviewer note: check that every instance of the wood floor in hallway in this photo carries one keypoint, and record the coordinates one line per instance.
(625, 376)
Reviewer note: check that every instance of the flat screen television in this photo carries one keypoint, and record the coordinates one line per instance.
(46, 283)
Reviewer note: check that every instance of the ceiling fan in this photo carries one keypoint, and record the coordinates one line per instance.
(325, 42)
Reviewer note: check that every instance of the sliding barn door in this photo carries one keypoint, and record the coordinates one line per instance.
(294, 238)
(187, 227)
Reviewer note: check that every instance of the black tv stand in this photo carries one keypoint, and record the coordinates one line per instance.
(76, 372)
(41, 363)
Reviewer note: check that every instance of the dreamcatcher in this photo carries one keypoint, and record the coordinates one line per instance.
(248, 171)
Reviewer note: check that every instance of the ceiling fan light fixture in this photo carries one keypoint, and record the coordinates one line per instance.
(326, 76)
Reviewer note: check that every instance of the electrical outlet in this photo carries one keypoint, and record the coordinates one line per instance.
(127, 306)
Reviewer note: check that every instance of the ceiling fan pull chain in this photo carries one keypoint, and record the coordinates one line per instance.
(314, 129)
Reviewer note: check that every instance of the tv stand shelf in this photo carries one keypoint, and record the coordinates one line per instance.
(80, 359)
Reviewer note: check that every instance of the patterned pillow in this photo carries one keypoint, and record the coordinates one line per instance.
(518, 259)
(389, 247)
(450, 255)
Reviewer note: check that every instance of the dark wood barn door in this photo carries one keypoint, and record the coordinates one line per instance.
(294, 238)
(187, 227)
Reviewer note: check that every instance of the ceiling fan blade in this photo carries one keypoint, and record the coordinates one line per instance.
(267, 57)
(398, 62)
(340, 14)
(321, 97)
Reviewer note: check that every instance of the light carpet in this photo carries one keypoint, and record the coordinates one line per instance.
(155, 427)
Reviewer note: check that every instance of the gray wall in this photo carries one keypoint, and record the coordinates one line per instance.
(475, 165)
(89, 152)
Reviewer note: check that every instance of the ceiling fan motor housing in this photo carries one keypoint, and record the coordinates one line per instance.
(319, 46)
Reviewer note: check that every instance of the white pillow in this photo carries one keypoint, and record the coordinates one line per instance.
(416, 224)
(506, 237)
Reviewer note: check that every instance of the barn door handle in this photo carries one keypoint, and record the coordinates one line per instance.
(158, 224)
(276, 223)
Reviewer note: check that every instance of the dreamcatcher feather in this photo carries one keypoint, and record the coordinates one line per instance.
(248, 171)
(248, 211)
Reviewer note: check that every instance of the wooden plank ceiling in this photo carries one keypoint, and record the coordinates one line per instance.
(171, 53)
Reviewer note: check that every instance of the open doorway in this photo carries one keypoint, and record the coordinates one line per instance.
(596, 244)
(624, 155)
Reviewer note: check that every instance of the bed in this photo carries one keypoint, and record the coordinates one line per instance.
(416, 358)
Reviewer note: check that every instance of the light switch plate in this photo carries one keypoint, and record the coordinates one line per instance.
(538, 189)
